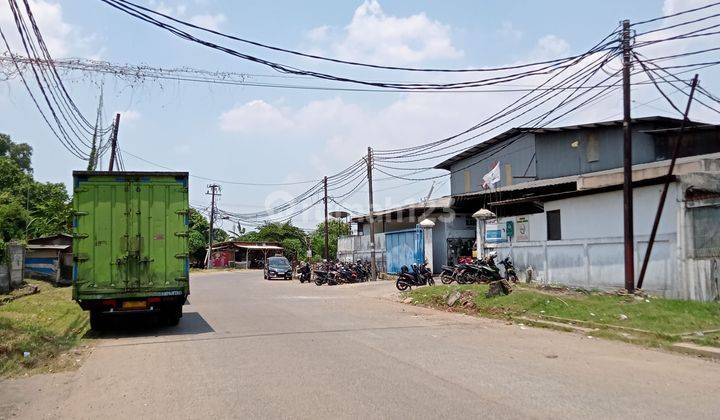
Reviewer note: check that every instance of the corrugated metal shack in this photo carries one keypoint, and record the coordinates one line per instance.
(50, 258)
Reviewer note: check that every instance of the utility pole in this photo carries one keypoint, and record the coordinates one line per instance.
(327, 241)
(214, 191)
(666, 185)
(629, 233)
(113, 151)
(373, 267)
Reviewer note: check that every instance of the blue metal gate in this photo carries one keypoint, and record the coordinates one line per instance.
(404, 247)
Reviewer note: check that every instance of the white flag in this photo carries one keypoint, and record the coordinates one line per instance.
(493, 177)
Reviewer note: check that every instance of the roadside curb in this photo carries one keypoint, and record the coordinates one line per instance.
(556, 325)
(697, 350)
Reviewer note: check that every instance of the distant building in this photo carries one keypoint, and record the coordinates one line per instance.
(558, 205)
(243, 254)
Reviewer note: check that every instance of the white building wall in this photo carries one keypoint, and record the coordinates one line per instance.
(600, 215)
(591, 252)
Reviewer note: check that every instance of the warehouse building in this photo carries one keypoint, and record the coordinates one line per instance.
(556, 208)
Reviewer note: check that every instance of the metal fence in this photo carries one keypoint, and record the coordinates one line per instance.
(357, 247)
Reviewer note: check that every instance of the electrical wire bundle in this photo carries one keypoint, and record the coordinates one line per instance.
(75, 132)
(339, 186)
(505, 74)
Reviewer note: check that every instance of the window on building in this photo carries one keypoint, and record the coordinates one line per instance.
(706, 233)
(593, 148)
(468, 184)
(553, 225)
(508, 174)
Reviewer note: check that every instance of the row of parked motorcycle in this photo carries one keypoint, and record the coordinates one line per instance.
(483, 270)
(333, 273)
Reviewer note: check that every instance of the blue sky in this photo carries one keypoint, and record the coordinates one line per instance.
(276, 135)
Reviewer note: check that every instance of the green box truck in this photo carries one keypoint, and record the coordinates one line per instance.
(130, 243)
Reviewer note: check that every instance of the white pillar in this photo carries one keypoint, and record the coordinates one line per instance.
(480, 217)
(427, 226)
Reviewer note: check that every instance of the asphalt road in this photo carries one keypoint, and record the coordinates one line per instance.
(250, 348)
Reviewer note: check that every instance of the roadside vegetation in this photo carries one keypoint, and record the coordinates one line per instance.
(40, 332)
(642, 319)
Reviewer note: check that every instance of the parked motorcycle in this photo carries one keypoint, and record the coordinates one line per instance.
(448, 274)
(419, 276)
(304, 272)
(510, 273)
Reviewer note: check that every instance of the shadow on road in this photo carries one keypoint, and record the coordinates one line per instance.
(150, 325)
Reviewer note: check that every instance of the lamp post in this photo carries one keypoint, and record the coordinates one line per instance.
(427, 226)
(480, 216)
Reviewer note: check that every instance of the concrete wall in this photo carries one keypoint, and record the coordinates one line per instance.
(591, 252)
(519, 155)
(600, 215)
(596, 263)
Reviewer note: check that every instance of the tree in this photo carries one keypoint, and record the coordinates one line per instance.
(197, 238)
(20, 153)
(46, 207)
(336, 228)
(291, 238)
(199, 226)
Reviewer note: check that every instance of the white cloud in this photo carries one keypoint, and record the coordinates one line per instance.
(62, 38)
(319, 34)
(509, 32)
(129, 116)
(254, 117)
(549, 47)
(374, 36)
(209, 21)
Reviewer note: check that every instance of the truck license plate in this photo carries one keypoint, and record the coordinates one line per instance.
(134, 304)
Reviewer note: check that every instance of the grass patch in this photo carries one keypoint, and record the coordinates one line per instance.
(662, 317)
(47, 325)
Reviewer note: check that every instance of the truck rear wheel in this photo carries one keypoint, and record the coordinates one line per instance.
(98, 321)
(172, 314)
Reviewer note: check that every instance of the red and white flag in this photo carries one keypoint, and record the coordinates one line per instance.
(493, 177)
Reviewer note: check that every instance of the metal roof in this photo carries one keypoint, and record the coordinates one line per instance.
(572, 179)
(246, 245)
(434, 203)
(55, 247)
(517, 131)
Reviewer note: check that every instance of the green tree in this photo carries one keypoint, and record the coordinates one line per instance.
(336, 228)
(20, 153)
(291, 238)
(13, 218)
(197, 238)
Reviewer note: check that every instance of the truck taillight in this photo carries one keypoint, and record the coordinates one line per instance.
(153, 300)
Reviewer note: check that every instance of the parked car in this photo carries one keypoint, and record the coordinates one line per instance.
(278, 267)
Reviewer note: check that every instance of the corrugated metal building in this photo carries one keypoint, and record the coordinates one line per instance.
(50, 258)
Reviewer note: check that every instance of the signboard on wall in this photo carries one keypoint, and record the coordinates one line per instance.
(495, 232)
(522, 229)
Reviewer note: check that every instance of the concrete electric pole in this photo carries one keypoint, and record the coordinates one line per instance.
(627, 163)
(373, 267)
(214, 190)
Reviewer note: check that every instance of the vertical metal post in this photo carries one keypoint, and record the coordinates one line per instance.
(213, 192)
(627, 163)
(113, 150)
(327, 240)
(666, 185)
(373, 266)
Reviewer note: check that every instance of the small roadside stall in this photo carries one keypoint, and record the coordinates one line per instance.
(238, 254)
(50, 258)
